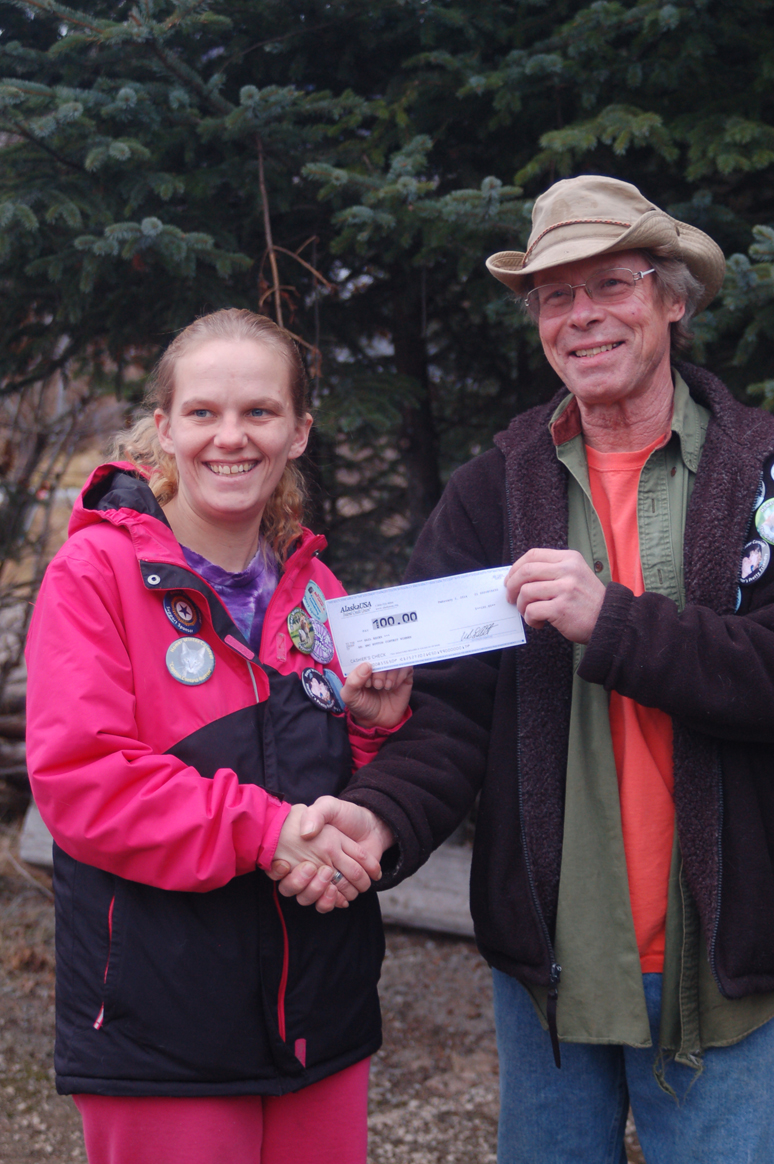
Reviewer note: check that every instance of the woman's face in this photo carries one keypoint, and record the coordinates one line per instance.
(231, 429)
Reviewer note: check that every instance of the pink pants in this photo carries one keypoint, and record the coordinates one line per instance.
(324, 1123)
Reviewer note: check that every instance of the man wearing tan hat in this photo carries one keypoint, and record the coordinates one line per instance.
(623, 868)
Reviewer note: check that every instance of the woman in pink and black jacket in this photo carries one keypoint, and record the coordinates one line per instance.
(184, 704)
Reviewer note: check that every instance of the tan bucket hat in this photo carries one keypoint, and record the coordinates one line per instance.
(578, 218)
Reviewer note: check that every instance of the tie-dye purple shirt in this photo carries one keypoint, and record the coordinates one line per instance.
(246, 594)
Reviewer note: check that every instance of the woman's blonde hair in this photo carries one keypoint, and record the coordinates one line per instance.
(282, 518)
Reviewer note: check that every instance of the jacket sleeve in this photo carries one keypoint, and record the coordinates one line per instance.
(108, 799)
(714, 671)
(425, 778)
(365, 742)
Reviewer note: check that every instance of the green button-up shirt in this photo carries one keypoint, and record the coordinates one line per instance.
(601, 999)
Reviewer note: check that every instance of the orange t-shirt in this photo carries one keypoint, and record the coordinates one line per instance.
(642, 736)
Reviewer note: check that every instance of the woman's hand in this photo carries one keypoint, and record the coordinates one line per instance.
(377, 698)
(311, 884)
(314, 850)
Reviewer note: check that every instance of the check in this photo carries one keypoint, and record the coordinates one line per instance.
(424, 622)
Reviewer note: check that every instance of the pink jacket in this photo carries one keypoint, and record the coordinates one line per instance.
(114, 796)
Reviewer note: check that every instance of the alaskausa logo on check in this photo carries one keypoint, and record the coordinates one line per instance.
(355, 606)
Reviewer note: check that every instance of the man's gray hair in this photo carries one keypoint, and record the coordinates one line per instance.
(675, 281)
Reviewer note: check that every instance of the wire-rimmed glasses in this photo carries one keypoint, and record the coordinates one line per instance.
(609, 286)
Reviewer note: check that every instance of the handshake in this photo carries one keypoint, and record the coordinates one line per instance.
(330, 852)
(327, 838)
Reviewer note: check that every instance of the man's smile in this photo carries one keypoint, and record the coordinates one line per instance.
(582, 353)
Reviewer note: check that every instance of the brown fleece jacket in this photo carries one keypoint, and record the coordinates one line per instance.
(499, 723)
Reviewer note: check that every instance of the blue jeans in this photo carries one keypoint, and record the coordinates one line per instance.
(577, 1115)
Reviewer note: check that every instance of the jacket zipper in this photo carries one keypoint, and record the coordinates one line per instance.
(285, 960)
(555, 970)
(99, 1020)
(716, 926)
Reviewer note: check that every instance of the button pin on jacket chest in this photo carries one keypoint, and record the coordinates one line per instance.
(764, 520)
(336, 686)
(323, 650)
(314, 601)
(190, 661)
(183, 613)
(756, 556)
(318, 689)
(760, 496)
(301, 630)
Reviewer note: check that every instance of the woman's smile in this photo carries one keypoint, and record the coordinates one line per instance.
(228, 468)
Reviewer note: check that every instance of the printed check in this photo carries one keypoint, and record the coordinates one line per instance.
(424, 622)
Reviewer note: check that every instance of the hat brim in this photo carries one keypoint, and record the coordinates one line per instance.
(654, 231)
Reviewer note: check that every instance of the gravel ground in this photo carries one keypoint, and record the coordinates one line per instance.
(434, 1096)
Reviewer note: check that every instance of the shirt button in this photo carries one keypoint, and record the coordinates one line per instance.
(598, 567)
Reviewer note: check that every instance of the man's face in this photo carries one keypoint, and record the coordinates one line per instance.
(608, 353)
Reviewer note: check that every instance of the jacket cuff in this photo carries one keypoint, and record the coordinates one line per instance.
(276, 815)
(405, 851)
(604, 645)
(366, 741)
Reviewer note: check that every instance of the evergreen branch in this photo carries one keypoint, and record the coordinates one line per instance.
(67, 15)
(299, 32)
(22, 131)
(188, 76)
(627, 19)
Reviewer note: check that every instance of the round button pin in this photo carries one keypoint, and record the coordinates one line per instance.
(190, 661)
(318, 689)
(314, 601)
(301, 630)
(336, 686)
(764, 521)
(182, 613)
(756, 556)
(322, 650)
(760, 496)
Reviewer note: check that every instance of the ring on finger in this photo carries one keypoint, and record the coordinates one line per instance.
(337, 877)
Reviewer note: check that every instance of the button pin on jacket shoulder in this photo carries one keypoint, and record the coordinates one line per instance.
(183, 613)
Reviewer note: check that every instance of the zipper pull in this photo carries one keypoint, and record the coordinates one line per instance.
(553, 995)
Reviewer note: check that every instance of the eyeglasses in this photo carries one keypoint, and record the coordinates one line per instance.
(610, 286)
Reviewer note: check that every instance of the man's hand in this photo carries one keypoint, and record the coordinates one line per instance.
(377, 699)
(556, 586)
(313, 852)
(310, 884)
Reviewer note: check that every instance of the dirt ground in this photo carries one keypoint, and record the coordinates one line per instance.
(434, 1097)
